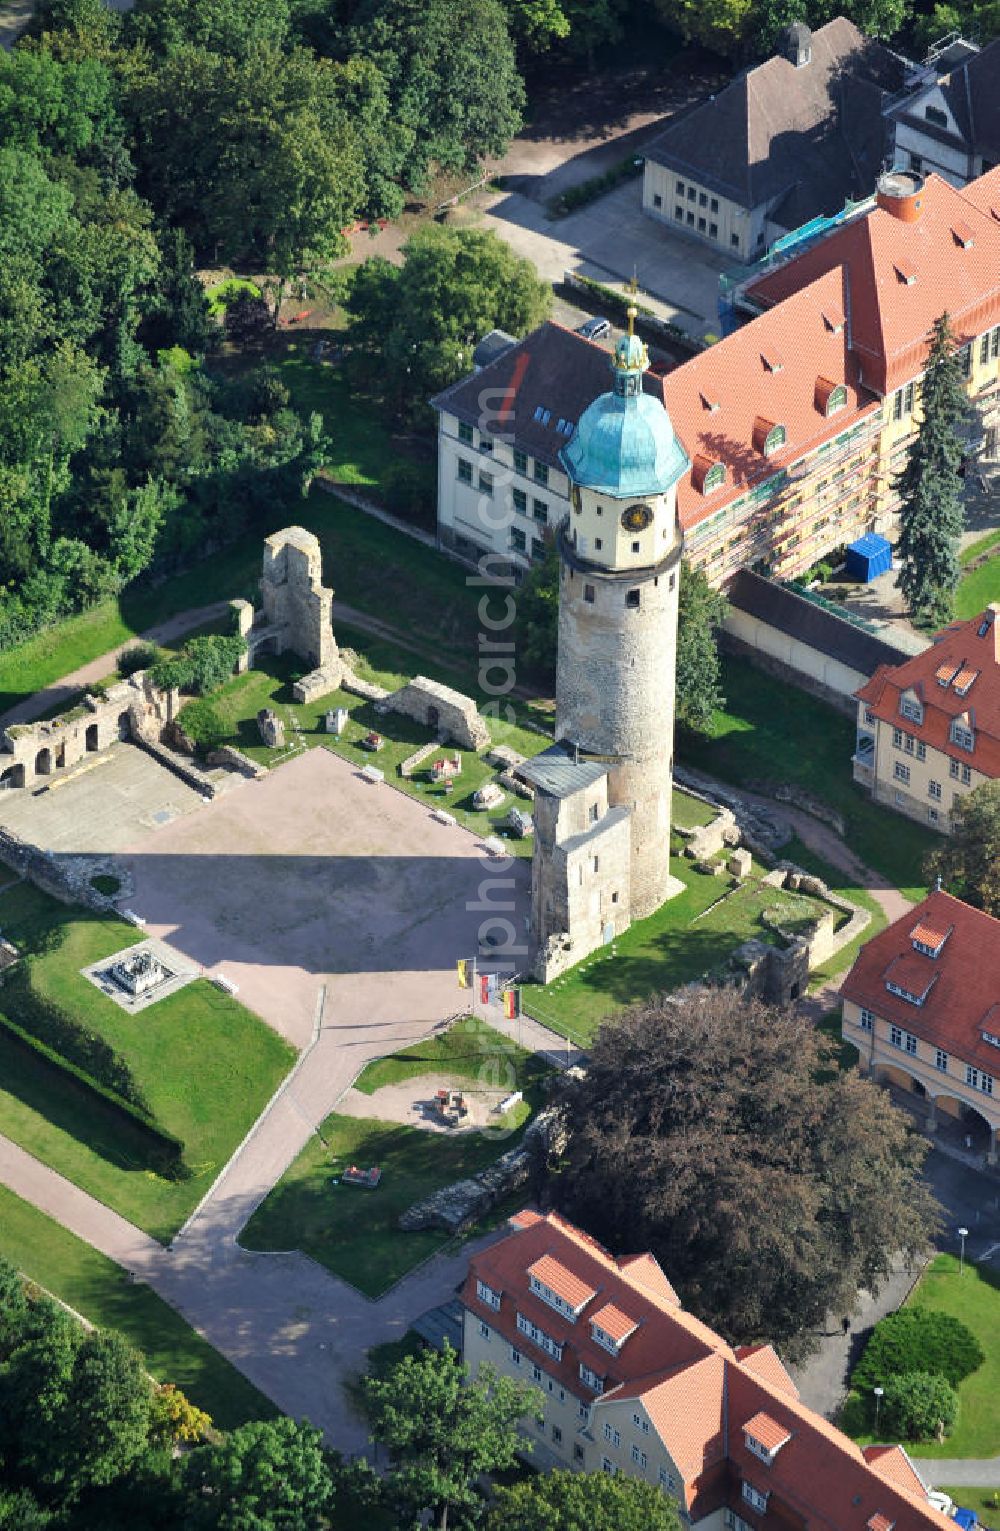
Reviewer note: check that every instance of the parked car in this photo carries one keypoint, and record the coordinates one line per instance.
(594, 329)
(939, 1500)
(967, 1519)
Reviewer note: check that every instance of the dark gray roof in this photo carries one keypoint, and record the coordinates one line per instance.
(551, 369)
(971, 90)
(492, 345)
(556, 772)
(440, 1324)
(825, 631)
(815, 131)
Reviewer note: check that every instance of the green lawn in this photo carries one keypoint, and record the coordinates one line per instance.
(100, 1290)
(204, 1064)
(467, 1050)
(690, 812)
(980, 546)
(354, 1232)
(976, 590)
(239, 700)
(973, 1297)
(772, 733)
(985, 1502)
(837, 882)
(677, 944)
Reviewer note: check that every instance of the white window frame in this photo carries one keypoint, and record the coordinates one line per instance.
(866, 1020)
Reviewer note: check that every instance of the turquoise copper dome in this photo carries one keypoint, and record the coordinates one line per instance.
(624, 444)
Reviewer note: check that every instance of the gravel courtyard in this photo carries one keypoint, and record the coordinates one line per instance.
(316, 877)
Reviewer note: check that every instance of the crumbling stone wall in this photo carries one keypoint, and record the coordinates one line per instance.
(64, 876)
(454, 717)
(297, 606)
(35, 754)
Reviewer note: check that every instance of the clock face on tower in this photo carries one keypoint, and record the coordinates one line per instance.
(636, 518)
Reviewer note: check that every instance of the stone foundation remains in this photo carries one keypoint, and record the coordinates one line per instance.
(454, 717)
(457, 1207)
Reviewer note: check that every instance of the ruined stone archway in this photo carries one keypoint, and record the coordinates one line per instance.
(124, 726)
(13, 776)
(43, 762)
(93, 737)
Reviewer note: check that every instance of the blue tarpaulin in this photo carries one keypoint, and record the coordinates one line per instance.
(870, 556)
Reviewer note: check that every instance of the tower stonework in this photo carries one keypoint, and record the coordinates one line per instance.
(609, 776)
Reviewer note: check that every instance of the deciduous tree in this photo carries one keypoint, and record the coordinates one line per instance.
(444, 1431)
(710, 1129)
(566, 1501)
(699, 676)
(268, 1476)
(930, 488)
(451, 74)
(968, 861)
(417, 325)
(919, 1406)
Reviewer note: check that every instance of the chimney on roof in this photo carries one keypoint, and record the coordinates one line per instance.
(796, 44)
(900, 192)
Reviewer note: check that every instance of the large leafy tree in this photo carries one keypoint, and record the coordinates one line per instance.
(452, 78)
(416, 325)
(262, 1477)
(222, 26)
(969, 860)
(250, 155)
(711, 1129)
(565, 1501)
(700, 615)
(930, 488)
(443, 1431)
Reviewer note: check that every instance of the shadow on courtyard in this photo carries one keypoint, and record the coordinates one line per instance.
(330, 914)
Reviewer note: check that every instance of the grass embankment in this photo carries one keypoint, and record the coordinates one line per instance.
(685, 939)
(981, 586)
(204, 1065)
(102, 1293)
(770, 733)
(354, 1232)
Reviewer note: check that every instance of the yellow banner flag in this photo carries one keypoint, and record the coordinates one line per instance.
(464, 981)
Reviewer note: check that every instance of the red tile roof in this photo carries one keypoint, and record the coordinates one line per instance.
(767, 1431)
(962, 648)
(646, 1272)
(765, 1363)
(893, 1464)
(966, 976)
(751, 397)
(553, 1274)
(615, 1324)
(694, 1388)
(928, 936)
(879, 1522)
(891, 318)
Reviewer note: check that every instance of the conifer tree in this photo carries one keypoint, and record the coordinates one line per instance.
(930, 487)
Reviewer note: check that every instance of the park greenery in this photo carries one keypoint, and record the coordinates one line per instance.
(414, 327)
(571, 1501)
(968, 861)
(930, 486)
(918, 1339)
(711, 1130)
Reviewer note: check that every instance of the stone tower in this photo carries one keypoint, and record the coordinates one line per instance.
(620, 571)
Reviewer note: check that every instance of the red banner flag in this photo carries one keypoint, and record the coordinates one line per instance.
(484, 988)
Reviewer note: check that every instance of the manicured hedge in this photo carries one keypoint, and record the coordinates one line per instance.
(918, 1340)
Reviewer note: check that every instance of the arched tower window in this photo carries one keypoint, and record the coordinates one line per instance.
(715, 477)
(837, 399)
(774, 439)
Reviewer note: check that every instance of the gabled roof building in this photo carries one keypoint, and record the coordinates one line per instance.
(929, 728)
(922, 1006)
(630, 1382)
(792, 138)
(795, 426)
(947, 117)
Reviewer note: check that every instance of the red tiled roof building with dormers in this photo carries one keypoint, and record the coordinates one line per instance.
(631, 1383)
(922, 1006)
(929, 729)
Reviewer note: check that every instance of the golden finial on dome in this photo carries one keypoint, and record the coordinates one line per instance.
(632, 313)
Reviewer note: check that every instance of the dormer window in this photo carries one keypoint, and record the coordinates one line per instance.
(610, 1328)
(963, 734)
(559, 1287)
(963, 681)
(709, 402)
(837, 399)
(707, 474)
(962, 234)
(929, 941)
(488, 1295)
(768, 436)
(772, 360)
(945, 673)
(834, 321)
(756, 1498)
(878, 1521)
(905, 270)
(764, 1437)
(910, 707)
(590, 1377)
